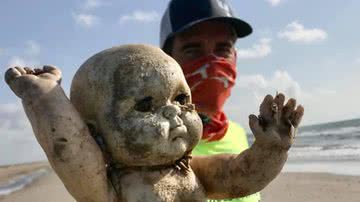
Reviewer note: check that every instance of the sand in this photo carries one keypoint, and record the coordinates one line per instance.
(46, 189)
(311, 187)
(294, 187)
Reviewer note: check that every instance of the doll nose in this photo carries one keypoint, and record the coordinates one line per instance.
(171, 111)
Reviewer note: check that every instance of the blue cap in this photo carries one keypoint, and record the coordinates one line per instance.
(182, 14)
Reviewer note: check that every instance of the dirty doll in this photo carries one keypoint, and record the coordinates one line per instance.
(128, 130)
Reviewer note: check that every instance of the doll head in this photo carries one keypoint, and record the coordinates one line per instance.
(137, 99)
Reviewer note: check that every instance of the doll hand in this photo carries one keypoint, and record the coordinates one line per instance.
(26, 82)
(277, 123)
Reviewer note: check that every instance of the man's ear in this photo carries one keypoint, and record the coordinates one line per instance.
(168, 46)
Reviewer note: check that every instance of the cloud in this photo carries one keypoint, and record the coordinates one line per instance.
(22, 62)
(274, 2)
(32, 48)
(13, 120)
(28, 58)
(251, 89)
(86, 20)
(281, 81)
(140, 16)
(357, 60)
(17, 136)
(322, 103)
(92, 4)
(296, 32)
(259, 50)
(322, 91)
(252, 81)
(16, 61)
(12, 117)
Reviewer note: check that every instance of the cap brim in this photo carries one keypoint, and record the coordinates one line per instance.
(241, 27)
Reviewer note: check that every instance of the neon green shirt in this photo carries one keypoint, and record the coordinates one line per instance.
(235, 141)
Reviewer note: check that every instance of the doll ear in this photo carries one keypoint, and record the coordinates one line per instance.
(97, 136)
(99, 141)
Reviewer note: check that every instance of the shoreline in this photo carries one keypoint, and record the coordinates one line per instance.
(288, 186)
(9, 171)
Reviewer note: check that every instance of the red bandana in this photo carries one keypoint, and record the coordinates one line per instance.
(211, 79)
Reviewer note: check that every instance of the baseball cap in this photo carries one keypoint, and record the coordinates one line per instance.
(183, 14)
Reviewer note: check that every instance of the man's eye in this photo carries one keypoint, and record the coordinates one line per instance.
(192, 52)
(182, 99)
(144, 105)
(223, 52)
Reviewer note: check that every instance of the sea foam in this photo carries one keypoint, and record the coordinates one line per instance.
(21, 181)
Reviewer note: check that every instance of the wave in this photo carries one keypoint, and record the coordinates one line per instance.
(337, 131)
(21, 181)
(335, 167)
(326, 152)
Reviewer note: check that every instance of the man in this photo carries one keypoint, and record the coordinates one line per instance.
(200, 35)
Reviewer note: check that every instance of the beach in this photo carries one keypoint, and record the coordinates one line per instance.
(311, 187)
(292, 186)
(47, 188)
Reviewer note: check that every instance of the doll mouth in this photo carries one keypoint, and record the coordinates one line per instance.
(176, 138)
(178, 132)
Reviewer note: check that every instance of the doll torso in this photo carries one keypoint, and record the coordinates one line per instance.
(167, 184)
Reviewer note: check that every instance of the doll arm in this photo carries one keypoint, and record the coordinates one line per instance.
(231, 176)
(63, 135)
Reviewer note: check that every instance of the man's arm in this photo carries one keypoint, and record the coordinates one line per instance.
(62, 134)
(232, 176)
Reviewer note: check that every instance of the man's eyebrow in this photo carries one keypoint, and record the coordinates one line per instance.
(190, 45)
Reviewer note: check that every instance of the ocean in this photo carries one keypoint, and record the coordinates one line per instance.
(328, 148)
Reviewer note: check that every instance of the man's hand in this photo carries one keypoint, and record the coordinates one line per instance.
(277, 123)
(25, 82)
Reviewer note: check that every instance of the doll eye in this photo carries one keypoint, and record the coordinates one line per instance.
(182, 99)
(144, 105)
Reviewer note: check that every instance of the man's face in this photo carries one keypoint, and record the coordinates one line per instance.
(204, 39)
(210, 37)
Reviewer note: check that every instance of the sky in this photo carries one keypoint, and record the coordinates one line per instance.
(309, 50)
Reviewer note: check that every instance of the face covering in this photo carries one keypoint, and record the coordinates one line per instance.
(211, 79)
